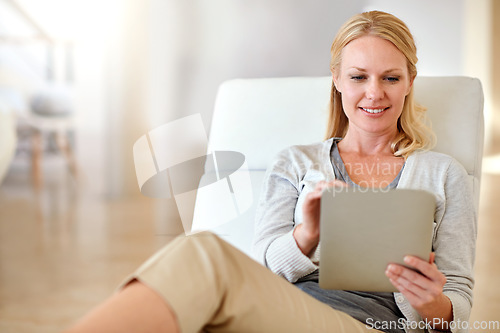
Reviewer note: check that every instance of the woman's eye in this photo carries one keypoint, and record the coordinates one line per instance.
(357, 77)
(392, 78)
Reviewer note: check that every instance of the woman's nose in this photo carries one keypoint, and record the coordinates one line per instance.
(374, 90)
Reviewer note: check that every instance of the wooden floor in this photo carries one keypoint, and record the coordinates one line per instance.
(65, 248)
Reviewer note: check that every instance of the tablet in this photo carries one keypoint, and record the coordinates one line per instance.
(364, 230)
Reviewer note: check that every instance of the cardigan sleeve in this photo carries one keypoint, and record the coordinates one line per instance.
(455, 241)
(274, 244)
(455, 232)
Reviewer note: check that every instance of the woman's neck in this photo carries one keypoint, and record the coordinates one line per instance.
(367, 145)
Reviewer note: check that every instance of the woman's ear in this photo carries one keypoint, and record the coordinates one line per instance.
(336, 82)
(410, 85)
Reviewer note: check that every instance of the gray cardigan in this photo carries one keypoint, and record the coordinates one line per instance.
(297, 169)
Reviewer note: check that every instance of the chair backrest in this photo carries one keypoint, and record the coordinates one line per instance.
(259, 117)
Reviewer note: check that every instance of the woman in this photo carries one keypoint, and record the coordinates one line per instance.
(377, 139)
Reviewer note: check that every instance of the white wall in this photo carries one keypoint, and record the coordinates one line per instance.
(479, 56)
(438, 29)
(198, 44)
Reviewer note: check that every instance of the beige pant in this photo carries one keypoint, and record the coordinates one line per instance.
(212, 286)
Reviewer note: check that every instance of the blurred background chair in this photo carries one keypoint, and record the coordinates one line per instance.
(51, 118)
(36, 76)
(260, 117)
(42, 125)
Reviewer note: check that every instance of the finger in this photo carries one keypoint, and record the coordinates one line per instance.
(397, 285)
(418, 291)
(401, 287)
(409, 279)
(320, 185)
(429, 270)
(318, 190)
(410, 296)
(413, 282)
(314, 195)
(417, 297)
(432, 257)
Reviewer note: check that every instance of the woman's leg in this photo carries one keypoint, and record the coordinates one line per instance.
(208, 284)
(136, 308)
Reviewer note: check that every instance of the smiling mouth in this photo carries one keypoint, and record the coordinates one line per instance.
(374, 111)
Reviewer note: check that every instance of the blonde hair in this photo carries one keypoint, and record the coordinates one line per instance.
(414, 131)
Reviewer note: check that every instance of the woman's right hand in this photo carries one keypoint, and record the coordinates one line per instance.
(306, 234)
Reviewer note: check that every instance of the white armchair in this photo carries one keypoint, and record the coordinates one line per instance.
(260, 117)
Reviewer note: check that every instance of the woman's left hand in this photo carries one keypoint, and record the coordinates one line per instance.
(423, 289)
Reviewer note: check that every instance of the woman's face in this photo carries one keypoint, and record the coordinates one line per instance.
(374, 81)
